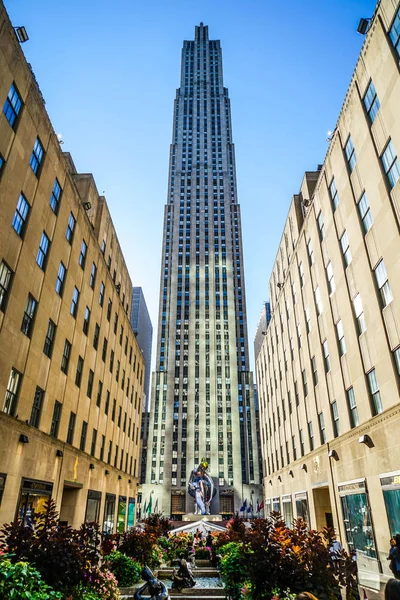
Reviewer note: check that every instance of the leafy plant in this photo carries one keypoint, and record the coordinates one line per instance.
(157, 525)
(22, 581)
(102, 582)
(138, 545)
(126, 570)
(61, 554)
(203, 553)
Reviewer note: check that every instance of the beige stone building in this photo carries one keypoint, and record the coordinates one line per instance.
(328, 370)
(71, 371)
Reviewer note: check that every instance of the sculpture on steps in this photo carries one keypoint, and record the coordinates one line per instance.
(201, 488)
(156, 588)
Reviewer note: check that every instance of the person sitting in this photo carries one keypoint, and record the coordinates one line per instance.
(182, 578)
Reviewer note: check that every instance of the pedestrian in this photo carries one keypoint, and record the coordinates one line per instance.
(394, 556)
(392, 590)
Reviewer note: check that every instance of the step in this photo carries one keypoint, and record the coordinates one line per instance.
(197, 572)
(190, 594)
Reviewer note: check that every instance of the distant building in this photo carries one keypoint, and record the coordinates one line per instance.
(328, 371)
(70, 366)
(141, 325)
(265, 318)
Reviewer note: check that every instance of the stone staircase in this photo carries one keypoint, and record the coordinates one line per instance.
(208, 585)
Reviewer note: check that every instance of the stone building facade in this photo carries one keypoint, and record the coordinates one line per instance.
(328, 371)
(71, 371)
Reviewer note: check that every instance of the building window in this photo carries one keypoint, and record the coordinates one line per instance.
(310, 253)
(89, 389)
(383, 284)
(327, 358)
(93, 276)
(99, 393)
(311, 435)
(82, 442)
(396, 354)
(49, 339)
(55, 421)
(371, 102)
(340, 337)
(391, 164)
(314, 370)
(79, 371)
(344, 243)
(301, 273)
(321, 226)
(359, 314)
(330, 278)
(365, 212)
(109, 308)
(318, 301)
(41, 257)
(37, 156)
(21, 215)
(2, 163)
(55, 197)
(29, 314)
(308, 319)
(74, 302)
(37, 408)
(352, 406)
(86, 321)
(5, 281)
(104, 352)
(65, 357)
(374, 393)
(94, 440)
(322, 431)
(334, 195)
(60, 279)
(82, 255)
(12, 106)
(96, 336)
(350, 154)
(111, 361)
(304, 379)
(101, 294)
(71, 428)
(335, 419)
(69, 234)
(394, 32)
(10, 399)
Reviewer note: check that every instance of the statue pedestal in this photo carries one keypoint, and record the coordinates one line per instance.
(193, 518)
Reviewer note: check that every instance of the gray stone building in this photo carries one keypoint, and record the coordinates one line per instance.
(202, 389)
(143, 329)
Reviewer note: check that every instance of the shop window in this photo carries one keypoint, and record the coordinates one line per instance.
(357, 519)
(391, 495)
(276, 504)
(287, 510)
(109, 514)
(33, 500)
(93, 507)
(121, 514)
(302, 507)
(2, 485)
(131, 513)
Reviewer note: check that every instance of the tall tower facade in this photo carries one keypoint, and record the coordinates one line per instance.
(202, 389)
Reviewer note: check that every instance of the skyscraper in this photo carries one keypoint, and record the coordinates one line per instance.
(202, 389)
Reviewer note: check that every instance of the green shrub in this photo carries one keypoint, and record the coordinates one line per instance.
(126, 570)
(22, 581)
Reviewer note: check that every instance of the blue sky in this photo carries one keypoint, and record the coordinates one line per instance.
(109, 71)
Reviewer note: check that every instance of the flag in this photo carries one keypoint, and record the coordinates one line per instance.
(250, 509)
(261, 506)
(244, 505)
(145, 507)
(150, 506)
(156, 506)
(258, 506)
